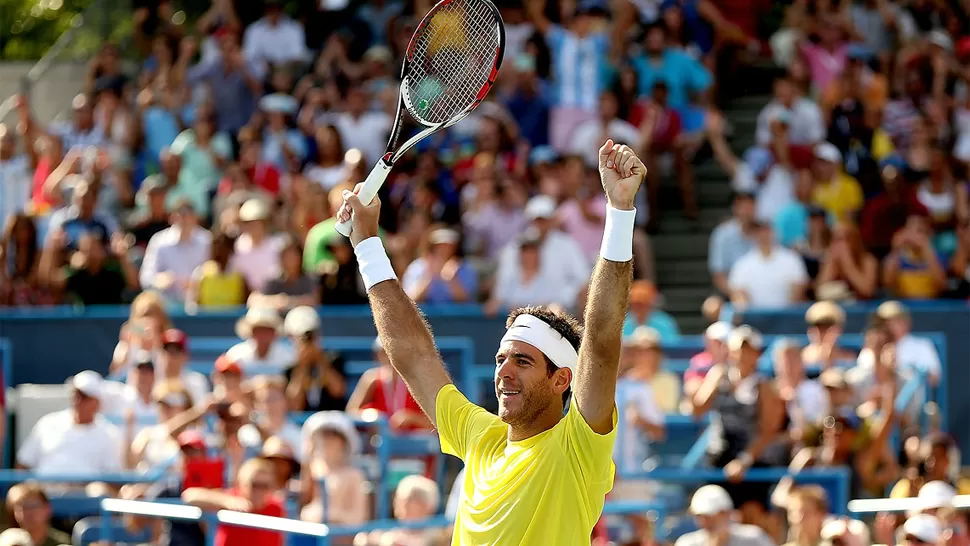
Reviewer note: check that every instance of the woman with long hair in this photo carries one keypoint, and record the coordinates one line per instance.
(147, 319)
(847, 261)
(20, 262)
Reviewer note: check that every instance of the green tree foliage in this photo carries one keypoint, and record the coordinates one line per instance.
(28, 28)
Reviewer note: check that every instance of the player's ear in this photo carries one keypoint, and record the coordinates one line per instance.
(561, 379)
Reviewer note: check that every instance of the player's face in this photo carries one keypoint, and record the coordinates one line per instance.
(523, 385)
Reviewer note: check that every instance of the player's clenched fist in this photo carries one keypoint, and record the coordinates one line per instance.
(365, 217)
(621, 172)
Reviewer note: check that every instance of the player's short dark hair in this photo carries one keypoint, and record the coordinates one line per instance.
(565, 324)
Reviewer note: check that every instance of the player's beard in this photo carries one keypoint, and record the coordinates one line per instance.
(523, 409)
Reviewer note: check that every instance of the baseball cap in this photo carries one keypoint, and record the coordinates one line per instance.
(174, 336)
(746, 334)
(719, 331)
(826, 151)
(540, 206)
(224, 364)
(301, 320)
(89, 383)
(936, 494)
(924, 527)
(191, 439)
(710, 500)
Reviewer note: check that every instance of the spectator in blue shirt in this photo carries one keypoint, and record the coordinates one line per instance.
(441, 276)
(684, 75)
(730, 240)
(528, 102)
(644, 312)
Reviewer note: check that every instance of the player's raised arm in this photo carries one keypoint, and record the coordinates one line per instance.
(621, 172)
(403, 331)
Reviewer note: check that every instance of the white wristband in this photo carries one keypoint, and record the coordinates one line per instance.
(373, 263)
(618, 236)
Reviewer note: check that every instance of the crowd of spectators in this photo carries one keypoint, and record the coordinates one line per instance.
(204, 173)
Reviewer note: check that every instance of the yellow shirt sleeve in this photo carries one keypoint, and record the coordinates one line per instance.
(900, 490)
(593, 452)
(460, 422)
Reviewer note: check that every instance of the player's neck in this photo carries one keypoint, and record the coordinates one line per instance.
(536, 425)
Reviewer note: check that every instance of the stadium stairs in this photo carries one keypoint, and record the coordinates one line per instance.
(680, 249)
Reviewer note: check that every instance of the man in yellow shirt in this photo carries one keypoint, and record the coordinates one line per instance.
(533, 476)
(836, 192)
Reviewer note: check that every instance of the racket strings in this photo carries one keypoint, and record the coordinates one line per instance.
(453, 59)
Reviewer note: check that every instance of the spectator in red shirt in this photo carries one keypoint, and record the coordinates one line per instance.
(256, 493)
(885, 214)
(382, 390)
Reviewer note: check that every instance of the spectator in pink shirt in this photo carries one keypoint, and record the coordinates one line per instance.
(584, 218)
(825, 59)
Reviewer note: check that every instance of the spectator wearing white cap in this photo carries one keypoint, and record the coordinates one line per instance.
(316, 379)
(559, 255)
(712, 509)
(441, 275)
(920, 530)
(836, 192)
(257, 254)
(715, 352)
(77, 440)
(262, 345)
(769, 276)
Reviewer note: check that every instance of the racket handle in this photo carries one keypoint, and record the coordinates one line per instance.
(368, 190)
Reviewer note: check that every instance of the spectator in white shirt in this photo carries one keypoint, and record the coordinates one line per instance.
(133, 398)
(912, 353)
(560, 258)
(269, 393)
(172, 361)
(16, 180)
(174, 253)
(258, 252)
(275, 39)
(806, 400)
(77, 440)
(362, 129)
(608, 125)
(262, 346)
(530, 282)
(768, 276)
(805, 124)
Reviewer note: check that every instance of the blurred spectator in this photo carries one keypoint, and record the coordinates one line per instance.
(328, 167)
(154, 217)
(644, 350)
(441, 275)
(805, 399)
(416, 498)
(607, 125)
(644, 311)
(559, 255)
(133, 398)
(332, 445)
(935, 454)
(257, 493)
(281, 143)
(91, 277)
(715, 352)
(76, 440)
(748, 424)
(912, 352)
(214, 284)
(836, 192)
(203, 150)
(80, 218)
(257, 254)
(913, 269)
(768, 276)
(156, 445)
(533, 283)
(826, 321)
(81, 131)
(175, 253)
(792, 221)
(142, 332)
(381, 389)
(921, 529)
(16, 184)
(275, 39)
(20, 260)
(493, 221)
(31, 510)
(807, 508)
(582, 215)
(340, 284)
(806, 127)
(232, 80)
(361, 128)
(847, 270)
(262, 346)
(269, 394)
(172, 363)
(528, 100)
(227, 381)
(316, 379)
(278, 452)
(293, 287)
(712, 509)
(731, 240)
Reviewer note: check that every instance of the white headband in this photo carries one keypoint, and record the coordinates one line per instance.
(536, 332)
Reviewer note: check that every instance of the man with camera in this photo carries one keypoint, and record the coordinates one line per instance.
(316, 380)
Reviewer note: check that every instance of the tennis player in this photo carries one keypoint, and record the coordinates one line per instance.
(535, 474)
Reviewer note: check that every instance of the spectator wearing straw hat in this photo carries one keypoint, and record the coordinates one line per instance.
(262, 345)
(912, 352)
(331, 444)
(257, 254)
(712, 509)
(644, 311)
(826, 321)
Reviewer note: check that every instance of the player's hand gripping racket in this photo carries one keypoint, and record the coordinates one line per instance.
(451, 63)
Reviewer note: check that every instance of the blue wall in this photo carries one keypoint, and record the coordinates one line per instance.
(49, 345)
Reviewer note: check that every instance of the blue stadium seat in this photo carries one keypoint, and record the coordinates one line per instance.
(88, 531)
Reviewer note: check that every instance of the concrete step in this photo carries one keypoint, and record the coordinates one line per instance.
(691, 323)
(674, 247)
(674, 222)
(681, 273)
(715, 195)
(685, 300)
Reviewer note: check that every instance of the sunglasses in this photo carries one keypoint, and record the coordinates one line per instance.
(260, 485)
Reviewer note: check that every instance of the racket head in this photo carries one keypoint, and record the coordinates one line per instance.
(452, 61)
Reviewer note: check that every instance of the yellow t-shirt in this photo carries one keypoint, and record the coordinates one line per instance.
(547, 489)
(841, 198)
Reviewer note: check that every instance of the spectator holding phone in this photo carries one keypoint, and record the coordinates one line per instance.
(316, 381)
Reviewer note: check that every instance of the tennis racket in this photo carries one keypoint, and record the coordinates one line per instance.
(450, 65)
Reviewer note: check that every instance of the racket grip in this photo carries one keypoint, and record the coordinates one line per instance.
(368, 190)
